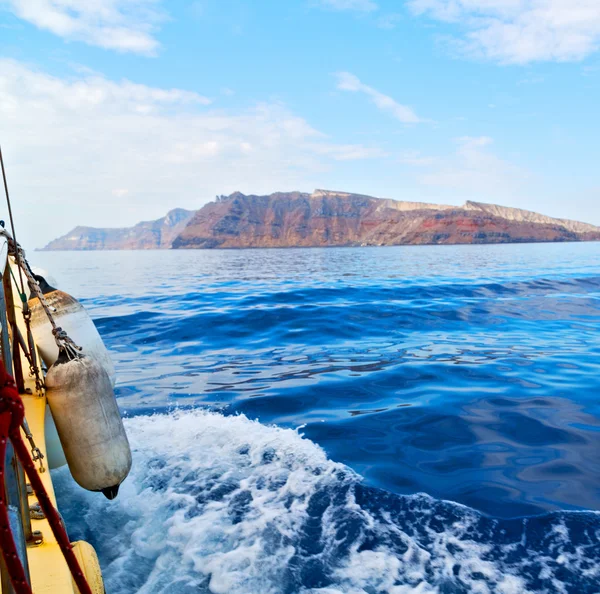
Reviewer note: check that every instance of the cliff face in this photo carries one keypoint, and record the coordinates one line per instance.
(279, 220)
(327, 218)
(146, 235)
(526, 216)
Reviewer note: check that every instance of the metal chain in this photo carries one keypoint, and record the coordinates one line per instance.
(36, 453)
(34, 369)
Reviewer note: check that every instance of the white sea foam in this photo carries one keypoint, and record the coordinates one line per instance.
(212, 502)
(229, 506)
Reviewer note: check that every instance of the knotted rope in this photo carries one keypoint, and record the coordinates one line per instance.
(12, 413)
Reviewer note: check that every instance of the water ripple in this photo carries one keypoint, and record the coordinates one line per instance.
(421, 368)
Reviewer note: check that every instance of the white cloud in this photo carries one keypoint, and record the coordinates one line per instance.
(351, 5)
(122, 25)
(474, 170)
(416, 159)
(90, 151)
(521, 31)
(349, 152)
(403, 113)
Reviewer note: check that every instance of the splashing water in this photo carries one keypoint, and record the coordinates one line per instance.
(469, 373)
(229, 506)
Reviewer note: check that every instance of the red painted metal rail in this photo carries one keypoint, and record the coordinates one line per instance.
(12, 412)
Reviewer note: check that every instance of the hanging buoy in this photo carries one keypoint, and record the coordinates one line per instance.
(72, 317)
(88, 422)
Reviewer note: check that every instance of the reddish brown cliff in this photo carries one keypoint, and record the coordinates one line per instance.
(340, 219)
(324, 218)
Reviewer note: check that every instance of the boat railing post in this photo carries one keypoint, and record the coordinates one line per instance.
(7, 316)
(12, 321)
(7, 360)
(14, 481)
(5, 579)
(4, 338)
(16, 513)
(24, 502)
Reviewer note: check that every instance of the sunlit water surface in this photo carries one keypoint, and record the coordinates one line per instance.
(470, 374)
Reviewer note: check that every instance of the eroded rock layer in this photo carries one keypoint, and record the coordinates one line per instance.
(327, 218)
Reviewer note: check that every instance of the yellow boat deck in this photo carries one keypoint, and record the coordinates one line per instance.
(47, 566)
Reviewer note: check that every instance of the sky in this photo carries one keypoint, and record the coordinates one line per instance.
(116, 111)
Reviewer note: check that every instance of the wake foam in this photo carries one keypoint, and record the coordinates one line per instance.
(229, 506)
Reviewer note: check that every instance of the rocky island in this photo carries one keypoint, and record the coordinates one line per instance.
(146, 235)
(327, 219)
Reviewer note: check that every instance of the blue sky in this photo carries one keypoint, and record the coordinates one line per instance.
(115, 111)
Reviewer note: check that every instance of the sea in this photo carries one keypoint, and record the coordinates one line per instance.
(419, 419)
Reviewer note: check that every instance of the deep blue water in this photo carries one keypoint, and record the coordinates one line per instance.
(461, 383)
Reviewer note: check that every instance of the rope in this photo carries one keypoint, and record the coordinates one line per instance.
(29, 351)
(10, 214)
(63, 340)
(33, 369)
(12, 417)
(12, 413)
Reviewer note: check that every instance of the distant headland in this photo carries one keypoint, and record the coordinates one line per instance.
(327, 219)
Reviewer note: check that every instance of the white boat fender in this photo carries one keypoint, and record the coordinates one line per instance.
(70, 315)
(88, 422)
